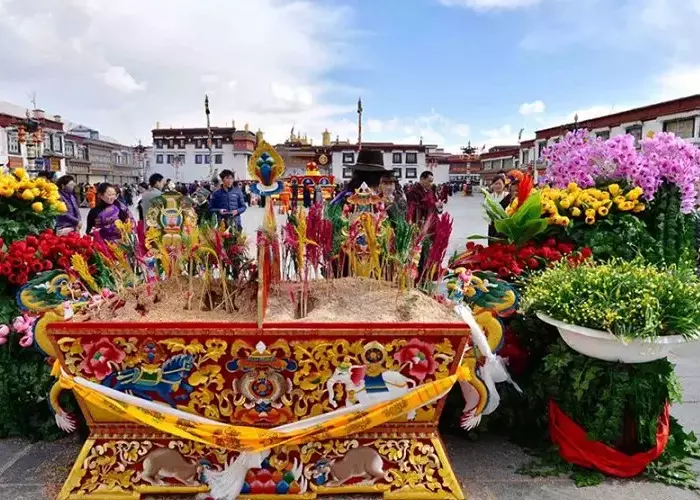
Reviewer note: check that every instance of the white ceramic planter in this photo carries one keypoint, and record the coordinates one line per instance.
(606, 346)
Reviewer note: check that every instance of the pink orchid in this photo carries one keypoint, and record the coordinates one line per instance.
(23, 324)
(4, 333)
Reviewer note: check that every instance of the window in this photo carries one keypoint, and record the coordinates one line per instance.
(218, 143)
(85, 153)
(635, 131)
(182, 143)
(198, 159)
(198, 143)
(397, 173)
(170, 159)
(496, 164)
(47, 142)
(159, 158)
(57, 143)
(396, 158)
(411, 173)
(603, 134)
(508, 164)
(13, 144)
(486, 165)
(69, 149)
(681, 128)
(412, 158)
(159, 143)
(540, 148)
(349, 158)
(171, 144)
(526, 156)
(218, 159)
(206, 159)
(347, 172)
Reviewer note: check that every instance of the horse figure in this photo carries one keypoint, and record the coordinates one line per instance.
(163, 381)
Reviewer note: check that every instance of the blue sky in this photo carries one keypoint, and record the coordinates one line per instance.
(449, 71)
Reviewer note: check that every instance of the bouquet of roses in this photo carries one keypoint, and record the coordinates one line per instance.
(509, 261)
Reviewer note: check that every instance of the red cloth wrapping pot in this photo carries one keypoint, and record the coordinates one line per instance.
(576, 448)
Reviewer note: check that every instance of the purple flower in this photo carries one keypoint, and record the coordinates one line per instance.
(664, 157)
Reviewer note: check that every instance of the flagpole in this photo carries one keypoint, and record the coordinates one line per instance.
(359, 123)
(209, 140)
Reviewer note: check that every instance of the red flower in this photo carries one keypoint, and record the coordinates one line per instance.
(586, 252)
(533, 263)
(565, 247)
(419, 356)
(550, 242)
(100, 357)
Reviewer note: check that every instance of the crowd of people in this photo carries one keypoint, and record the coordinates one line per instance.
(227, 199)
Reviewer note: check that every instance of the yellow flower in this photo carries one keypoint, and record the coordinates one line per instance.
(572, 186)
(575, 211)
(37, 206)
(565, 203)
(603, 211)
(627, 206)
(614, 189)
(619, 199)
(61, 207)
(27, 195)
(20, 173)
(639, 207)
(590, 213)
(561, 221)
(635, 194)
(590, 220)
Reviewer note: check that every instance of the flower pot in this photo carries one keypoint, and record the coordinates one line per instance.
(606, 346)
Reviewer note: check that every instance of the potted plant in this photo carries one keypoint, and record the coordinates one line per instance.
(625, 311)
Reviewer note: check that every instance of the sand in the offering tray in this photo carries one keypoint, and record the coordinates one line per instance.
(341, 300)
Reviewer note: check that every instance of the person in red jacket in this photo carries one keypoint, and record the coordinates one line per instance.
(422, 202)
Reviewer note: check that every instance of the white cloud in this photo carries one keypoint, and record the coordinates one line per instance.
(162, 63)
(489, 4)
(679, 81)
(120, 79)
(531, 108)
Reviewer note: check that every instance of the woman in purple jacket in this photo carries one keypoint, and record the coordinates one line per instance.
(69, 221)
(103, 218)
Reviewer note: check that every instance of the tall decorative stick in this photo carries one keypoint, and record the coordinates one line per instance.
(359, 123)
(209, 139)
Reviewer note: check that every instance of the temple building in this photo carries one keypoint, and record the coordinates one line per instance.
(183, 154)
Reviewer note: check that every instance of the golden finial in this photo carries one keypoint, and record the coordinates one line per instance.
(245, 127)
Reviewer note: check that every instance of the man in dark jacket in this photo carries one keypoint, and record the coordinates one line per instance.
(228, 202)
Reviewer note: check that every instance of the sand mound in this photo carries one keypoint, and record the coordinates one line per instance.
(341, 300)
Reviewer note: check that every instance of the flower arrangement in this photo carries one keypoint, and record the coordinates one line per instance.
(630, 299)
(589, 204)
(27, 206)
(24, 258)
(509, 261)
(663, 157)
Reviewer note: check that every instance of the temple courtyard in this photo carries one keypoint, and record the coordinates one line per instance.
(486, 467)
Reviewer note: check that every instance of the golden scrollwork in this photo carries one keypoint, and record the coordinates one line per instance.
(107, 466)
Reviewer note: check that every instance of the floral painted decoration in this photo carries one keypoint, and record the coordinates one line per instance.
(419, 357)
(100, 358)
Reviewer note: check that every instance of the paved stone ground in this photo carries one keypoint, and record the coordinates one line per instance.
(486, 467)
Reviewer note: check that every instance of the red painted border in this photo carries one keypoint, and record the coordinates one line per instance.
(63, 326)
